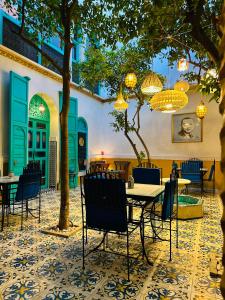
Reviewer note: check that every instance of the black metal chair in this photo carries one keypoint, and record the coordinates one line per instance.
(27, 190)
(123, 165)
(191, 169)
(146, 175)
(162, 212)
(211, 177)
(150, 165)
(104, 208)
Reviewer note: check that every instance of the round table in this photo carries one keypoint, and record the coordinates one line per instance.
(182, 183)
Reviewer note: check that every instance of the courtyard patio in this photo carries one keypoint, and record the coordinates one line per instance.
(34, 265)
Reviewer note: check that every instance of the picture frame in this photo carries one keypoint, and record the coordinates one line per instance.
(186, 128)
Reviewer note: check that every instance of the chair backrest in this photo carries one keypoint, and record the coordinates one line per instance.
(105, 202)
(146, 164)
(169, 195)
(98, 166)
(212, 171)
(190, 169)
(146, 175)
(32, 167)
(29, 186)
(123, 165)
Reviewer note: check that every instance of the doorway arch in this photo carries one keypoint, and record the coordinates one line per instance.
(38, 135)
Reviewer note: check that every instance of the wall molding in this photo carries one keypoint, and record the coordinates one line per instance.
(160, 157)
(6, 52)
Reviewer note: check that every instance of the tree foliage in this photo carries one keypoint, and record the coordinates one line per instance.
(110, 67)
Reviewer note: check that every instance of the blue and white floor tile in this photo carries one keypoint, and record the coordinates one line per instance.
(43, 267)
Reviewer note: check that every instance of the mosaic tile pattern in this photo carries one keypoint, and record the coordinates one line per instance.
(43, 267)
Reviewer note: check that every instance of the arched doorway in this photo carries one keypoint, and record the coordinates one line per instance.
(82, 144)
(38, 135)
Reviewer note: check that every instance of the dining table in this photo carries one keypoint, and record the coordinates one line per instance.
(141, 196)
(5, 187)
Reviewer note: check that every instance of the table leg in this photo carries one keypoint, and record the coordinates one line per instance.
(143, 238)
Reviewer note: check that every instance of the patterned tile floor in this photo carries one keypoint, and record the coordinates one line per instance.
(38, 266)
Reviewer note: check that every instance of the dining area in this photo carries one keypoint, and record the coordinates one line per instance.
(131, 242)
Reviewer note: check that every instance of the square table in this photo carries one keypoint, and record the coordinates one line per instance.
(143, 194)
(5, 182)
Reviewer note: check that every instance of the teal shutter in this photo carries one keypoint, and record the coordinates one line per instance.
(18, 122)
(72, 136)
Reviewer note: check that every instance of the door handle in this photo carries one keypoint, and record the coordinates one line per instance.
(14, 162)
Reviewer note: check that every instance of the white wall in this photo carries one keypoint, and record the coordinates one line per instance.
(156, 127)
(156, 130)
(88, 107)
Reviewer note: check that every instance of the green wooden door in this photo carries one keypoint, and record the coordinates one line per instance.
(72, 137)
(38, 136)
(18, 122)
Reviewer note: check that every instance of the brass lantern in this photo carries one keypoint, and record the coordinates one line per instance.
(120, 103)
(181, 86)
(41, 108)
(131, 80)
(182, 65)
(151, 84)
(201, 110)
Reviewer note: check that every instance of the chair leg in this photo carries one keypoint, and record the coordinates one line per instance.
(83, 242)
(170, 239)
(128, 257)
(39, 211)
(21, 216)
(3, 216)
(7, 214)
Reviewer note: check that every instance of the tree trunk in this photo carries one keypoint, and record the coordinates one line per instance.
(144, 145)
(137, 114)
(222, 136)
(64, 176)
(130, 141)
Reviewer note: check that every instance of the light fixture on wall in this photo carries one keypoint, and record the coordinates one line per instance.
(168, 101)
(120, 103)
(182, 65)
(151, 84)
(201, 110)
(41, 108)
(130, 80)
(181, 86)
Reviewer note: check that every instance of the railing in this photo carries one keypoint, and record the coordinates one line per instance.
(9, 27)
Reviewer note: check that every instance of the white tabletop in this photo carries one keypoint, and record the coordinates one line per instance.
(7, 179)
(145, 190)
(181, 181)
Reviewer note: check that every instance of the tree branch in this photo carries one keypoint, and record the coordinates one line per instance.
(194, 17)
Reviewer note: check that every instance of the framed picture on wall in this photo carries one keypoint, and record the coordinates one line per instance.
(186, 128)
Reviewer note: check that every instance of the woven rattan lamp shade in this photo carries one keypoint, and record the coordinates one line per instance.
(168, 101)
(151, 84)
(120, 103)
(130, 80)
(181, 86)
(201, 110)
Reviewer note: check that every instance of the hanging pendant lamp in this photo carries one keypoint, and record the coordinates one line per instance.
(168, 101)
(201, 110)
(151, 84)
(181, 86)
(120, 103)
(130, 80)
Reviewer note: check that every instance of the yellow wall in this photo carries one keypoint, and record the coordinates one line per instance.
(166, 165)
